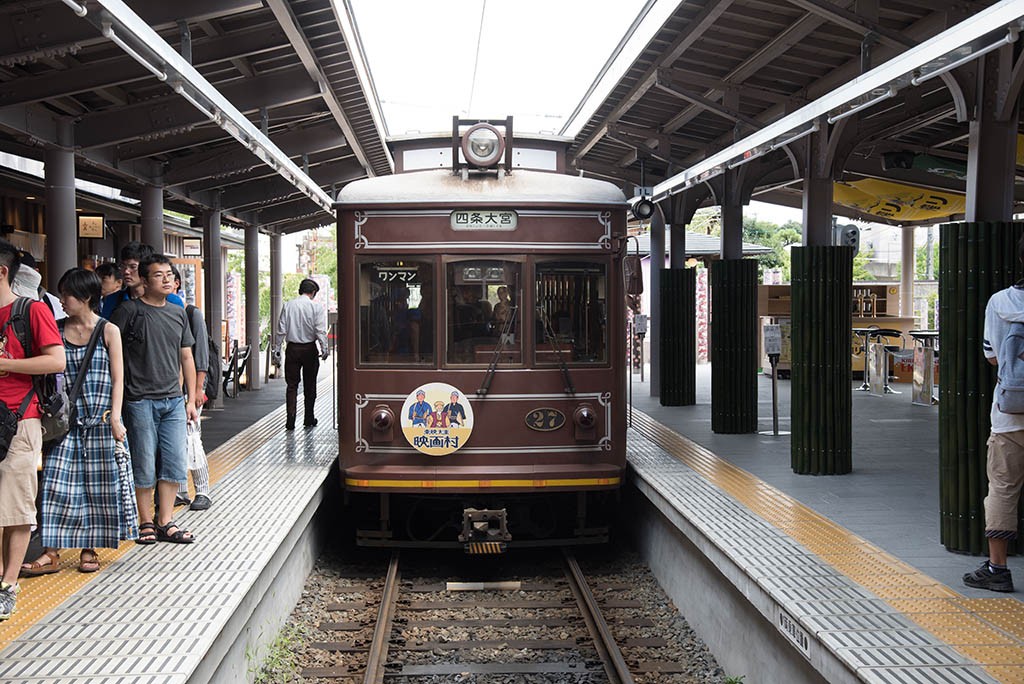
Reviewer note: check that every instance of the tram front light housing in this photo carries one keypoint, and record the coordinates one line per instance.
(585, 420)
(382, 419)
(483, 145)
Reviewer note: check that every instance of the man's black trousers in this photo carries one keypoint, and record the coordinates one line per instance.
(300, 357)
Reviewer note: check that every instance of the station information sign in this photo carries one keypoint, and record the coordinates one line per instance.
(484, 219)
(772, 340)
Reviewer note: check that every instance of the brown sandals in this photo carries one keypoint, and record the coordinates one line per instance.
(88, 561)
(47, 564)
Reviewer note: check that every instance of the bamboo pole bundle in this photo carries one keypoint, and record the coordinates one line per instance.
(734, 334)
(976, 260)
(821, 379)
(678, 337)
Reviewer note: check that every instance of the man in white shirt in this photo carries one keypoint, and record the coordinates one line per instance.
(302, 325)
(1005, 459)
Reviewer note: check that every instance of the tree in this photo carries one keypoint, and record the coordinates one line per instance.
(921, 261)
(778, 238)
(860, 261)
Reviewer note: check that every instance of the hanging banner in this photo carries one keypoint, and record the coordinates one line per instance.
(898, 201)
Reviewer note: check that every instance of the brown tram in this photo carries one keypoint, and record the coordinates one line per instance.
(483, 402)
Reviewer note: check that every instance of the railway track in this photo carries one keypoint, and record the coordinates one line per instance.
(548, 623)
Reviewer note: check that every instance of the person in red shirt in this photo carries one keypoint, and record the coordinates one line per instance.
(18, 481)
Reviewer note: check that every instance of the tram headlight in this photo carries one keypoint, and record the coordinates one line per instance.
(383, 422)
(585, 419)
(483, 145)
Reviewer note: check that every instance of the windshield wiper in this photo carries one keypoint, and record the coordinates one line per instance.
(505, 338)
(549, 335)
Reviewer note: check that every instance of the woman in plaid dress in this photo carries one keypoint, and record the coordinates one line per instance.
(88, 494)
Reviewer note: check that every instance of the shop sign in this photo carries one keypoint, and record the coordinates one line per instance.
(90, 226)
(191, 247)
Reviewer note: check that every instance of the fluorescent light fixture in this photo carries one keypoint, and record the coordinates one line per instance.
(1011, 37)
(891, 92)
(108, 32)
(796, 136)
(180, 90)
(80, 10)
(220, 109)
(754, 154)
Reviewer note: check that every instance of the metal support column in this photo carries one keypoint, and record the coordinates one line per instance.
(817, 203)
(654, 325)
(153, 217)
(907, 273)
(276, 286)
(61, 223)
(992, 142)
(252, 305)
(213, 268)
(732, 231)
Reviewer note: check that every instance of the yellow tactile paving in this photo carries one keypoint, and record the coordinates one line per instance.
(991, 630)
(40, 595)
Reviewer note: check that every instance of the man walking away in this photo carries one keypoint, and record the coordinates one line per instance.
(1006, 442)
(303, 323)
(18, 483)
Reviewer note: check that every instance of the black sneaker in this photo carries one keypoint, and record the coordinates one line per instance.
(987, 578)
(311, 423)
(180, 500)
(201, 503)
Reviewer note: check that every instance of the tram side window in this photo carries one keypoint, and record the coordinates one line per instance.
(571, 312)
(396, 312)
(482, 311)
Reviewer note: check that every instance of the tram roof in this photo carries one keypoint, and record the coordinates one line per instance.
(441, 186)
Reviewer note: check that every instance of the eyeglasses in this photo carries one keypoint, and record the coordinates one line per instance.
(129, 268)
(161, 275)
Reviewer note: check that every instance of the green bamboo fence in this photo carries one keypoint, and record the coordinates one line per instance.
(734, 346)
(821, 378)
(975, 260)
(678, 361)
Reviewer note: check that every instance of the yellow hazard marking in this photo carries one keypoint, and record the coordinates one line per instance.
(481, 484)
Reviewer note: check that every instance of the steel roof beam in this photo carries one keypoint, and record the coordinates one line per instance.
(47, 29)
(107, 73)
(696, 28)
(282, 11)
(147, 47)
(990, 23)
(220, 162)
(167, 113)
(852, 21)
(709, 105)
(684, 77)
(272, 189)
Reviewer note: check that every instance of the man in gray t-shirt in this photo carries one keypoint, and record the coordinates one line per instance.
(157, 353)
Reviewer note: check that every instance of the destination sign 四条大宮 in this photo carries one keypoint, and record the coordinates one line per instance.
(484, 219)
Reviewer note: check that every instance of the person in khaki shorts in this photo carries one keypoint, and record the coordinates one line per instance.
(1005, 466)
(18, 482)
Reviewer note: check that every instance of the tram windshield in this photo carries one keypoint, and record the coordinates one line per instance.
(396, 312)
(571, 315)
(482, 311)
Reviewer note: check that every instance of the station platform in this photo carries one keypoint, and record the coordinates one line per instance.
(198, 612)
(846, 570)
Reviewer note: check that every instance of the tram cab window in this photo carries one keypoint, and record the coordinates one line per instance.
(571, 312)
(396, 312)
(482, 312)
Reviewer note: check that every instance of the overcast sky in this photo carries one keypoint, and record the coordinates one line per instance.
(536, 59)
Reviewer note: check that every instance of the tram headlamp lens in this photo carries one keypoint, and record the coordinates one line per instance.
(585, 417)
(483, 145)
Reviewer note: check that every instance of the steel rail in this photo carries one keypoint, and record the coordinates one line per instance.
(611, 657)
(378, 656)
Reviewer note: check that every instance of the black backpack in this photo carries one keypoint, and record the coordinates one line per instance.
(53, 397)
(213, 373)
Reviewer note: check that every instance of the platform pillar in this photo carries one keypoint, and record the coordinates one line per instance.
(61, 223)
(252, 305)
(821, 377)
(654, 331)
(276, 286)
(213, 268)
(678, 340)
(975, 261)
(734, 346)
(153, 217)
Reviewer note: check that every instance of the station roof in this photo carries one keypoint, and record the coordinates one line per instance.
(719, 70)
(295, 64)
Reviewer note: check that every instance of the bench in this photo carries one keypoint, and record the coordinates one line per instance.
(235, 368)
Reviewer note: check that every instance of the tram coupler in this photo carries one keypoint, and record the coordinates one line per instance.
(485, 531)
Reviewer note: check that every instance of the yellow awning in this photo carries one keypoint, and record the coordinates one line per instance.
(897, 201)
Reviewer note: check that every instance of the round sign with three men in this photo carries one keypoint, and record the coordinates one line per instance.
(437, 419)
